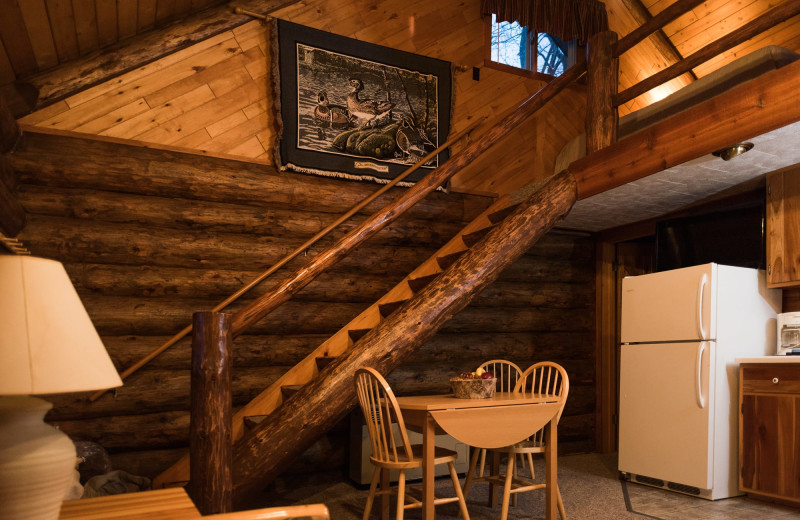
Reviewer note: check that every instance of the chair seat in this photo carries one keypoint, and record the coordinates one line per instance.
(440, 456)
(530, 446)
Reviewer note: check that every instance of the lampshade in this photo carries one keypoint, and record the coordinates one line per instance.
(47, 345)
(47, 341)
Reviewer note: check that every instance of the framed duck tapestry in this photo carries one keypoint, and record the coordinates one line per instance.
(357, 110)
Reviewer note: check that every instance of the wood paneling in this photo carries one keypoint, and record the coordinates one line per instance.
(213, 96)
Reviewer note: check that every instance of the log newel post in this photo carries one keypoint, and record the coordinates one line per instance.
(210, 439)
(603, 77)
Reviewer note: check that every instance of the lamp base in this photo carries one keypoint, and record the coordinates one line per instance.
(36, 461)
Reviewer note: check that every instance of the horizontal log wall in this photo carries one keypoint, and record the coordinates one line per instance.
(214, 96)
(149, 237)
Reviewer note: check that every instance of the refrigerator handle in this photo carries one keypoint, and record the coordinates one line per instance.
(701, 402)
(700, 290)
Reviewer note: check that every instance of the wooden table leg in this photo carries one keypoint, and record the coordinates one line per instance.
(550, 458)
(428, 446)
(493, 488)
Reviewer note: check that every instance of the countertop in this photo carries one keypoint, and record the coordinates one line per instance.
(769, 359)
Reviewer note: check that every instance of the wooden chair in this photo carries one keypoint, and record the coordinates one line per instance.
(391, 448)
(542, 378)
(507, 375)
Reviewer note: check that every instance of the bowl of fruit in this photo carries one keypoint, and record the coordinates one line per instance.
(473, 385)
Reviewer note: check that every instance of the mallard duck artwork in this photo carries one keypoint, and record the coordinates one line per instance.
(335, 116)
(366, 110)
(410, 140)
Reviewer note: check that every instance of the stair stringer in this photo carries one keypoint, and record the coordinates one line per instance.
(306, 370)
(273, 444)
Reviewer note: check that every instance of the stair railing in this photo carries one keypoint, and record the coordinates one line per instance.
(303, 247)
(579, 172)
(210, 471)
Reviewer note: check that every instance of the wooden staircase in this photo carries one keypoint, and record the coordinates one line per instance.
(257, 410)
(381, 336)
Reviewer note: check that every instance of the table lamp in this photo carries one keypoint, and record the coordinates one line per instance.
(48, 345)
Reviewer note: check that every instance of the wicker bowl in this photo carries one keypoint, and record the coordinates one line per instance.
(473, 388)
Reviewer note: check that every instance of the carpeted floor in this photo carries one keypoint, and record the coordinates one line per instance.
(589, 486)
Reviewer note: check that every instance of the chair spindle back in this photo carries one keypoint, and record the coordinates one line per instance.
(381, 411)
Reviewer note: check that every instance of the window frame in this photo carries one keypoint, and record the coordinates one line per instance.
(532, 55)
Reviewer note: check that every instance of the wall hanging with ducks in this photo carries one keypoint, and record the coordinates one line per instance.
(368, 111)
(328, 115)
(357, 110)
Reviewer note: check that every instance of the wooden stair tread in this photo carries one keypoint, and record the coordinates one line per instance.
(290, 390)
(500, 215)
(448, 260)
(357, 334)
(470, 239)
(417, 284)
(251, 421)
(323, 361)
(389, 307)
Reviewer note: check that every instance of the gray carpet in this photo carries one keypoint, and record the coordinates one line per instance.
(589, 486)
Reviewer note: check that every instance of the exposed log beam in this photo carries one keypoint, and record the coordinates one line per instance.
(754, 108)
(662, 44)
(656, 22)
(318, 405)
(127, 55)
(772, 18)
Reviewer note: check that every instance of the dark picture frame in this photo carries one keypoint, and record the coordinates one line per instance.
(358, 110)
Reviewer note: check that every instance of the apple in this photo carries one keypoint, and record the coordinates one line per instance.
(486, 375)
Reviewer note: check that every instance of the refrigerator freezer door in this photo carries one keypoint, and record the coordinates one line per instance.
(666, 427)
(677, 305)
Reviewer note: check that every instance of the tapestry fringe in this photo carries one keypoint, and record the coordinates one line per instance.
(348, 176)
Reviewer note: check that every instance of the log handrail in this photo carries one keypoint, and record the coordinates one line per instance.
(291, 256)
(281, 293)
(764, 22)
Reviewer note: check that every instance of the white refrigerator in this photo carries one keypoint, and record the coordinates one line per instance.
(681, 333)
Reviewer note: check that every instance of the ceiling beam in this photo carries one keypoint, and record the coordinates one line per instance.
(761, 105)
(662, 44)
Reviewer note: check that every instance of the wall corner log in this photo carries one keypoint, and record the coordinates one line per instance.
(12, 214)
(210, 437)
(273, 444)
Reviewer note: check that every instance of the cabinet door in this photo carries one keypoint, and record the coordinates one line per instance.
(769, 452)
(783, 227)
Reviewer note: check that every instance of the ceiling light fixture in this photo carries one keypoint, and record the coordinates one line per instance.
(733, 151)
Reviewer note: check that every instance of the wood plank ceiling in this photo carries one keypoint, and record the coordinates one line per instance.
(37, 36)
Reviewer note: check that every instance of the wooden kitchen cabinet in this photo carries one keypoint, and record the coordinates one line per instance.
(769, 430)
(783, 227)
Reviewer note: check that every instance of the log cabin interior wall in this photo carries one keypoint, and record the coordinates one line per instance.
(151, 235)
(214, 96)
